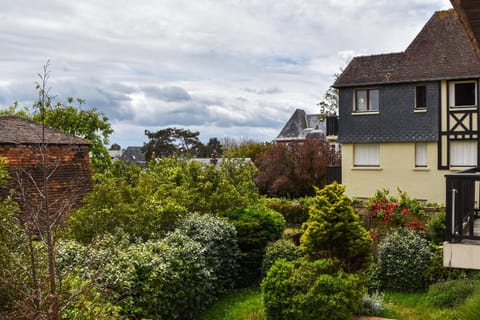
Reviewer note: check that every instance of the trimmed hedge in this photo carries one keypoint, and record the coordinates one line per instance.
(310, 290)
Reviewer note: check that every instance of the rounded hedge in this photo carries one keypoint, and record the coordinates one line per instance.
(310, 290)
(280, 249)
(403, 257)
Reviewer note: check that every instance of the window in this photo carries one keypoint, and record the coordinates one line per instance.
(366, 155)
(463, 153)
(420, 97)
(420, 155)
(366, 100)
(463, 94)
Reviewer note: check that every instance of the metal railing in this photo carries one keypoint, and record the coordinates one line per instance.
(462, 200)
(332, 126)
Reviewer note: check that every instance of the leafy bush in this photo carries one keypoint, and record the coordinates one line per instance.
(310, 290)
(280, 249)
(175, 277)
(335, 230)
(294, 211)
(256, 226)
(149, 204)
(436, 272)
(219, 240)
(450, 294)
(403, 258)
(470, 310)
(436, 228)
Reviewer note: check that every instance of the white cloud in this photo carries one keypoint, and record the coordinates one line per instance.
(224, 68)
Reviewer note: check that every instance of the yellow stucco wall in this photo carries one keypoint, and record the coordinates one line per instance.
(397, 169)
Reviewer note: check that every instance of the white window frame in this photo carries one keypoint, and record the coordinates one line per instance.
(421, 153)
(367, 107)
(366, 155)
(451, 93)
(463, 153)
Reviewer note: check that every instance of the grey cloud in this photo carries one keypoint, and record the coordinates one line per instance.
(168, 94)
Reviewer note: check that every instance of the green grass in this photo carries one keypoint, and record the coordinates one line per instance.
(246, 304)
(243, 304)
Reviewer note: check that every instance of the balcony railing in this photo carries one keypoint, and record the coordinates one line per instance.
(462, 205)
(332, 126)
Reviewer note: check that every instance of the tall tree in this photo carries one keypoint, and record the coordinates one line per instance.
(170, 142)
(212, 147)
(293, 170)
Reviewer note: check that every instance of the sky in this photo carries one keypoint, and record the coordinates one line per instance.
(225, 68)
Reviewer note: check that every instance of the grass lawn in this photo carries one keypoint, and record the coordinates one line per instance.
(246, 304)
(243, 304)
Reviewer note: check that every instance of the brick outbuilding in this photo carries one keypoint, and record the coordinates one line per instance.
(37, 155)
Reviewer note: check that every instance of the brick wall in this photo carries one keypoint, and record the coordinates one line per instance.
(67, 172)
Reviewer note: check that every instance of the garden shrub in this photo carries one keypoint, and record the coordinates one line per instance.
(403, 257)
(306, 290)
(219, 240)
(437, 272)
(256, 226)
(450, 294)
(175, 277)
(280, 249)
(470, 310)
(294, 211)
(436, 228)
(335, 230)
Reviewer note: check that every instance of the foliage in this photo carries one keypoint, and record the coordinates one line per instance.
(280, 249)
(244, 149)
(171, 142)
(116, 147)
(294, 211)
(436, 272)
(451, 293)
(147, 204)
(436, 227)
(329, 104)
(403, 258)
(386, 213)
(334, 230)
(213, 146)
(294, 170)
(470, 310)
(219, 240)
(90, 124)
(176, 277)
(303, 289)
(256, 226)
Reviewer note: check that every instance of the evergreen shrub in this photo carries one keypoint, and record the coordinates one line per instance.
(280, 249)
(256, 226)
(403, 257)
(306, 290)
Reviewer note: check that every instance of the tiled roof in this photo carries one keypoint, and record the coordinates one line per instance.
(441, 50)
(19, 130)
(300, 125)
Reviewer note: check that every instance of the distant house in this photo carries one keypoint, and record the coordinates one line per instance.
(406, 119)
(33, 152)
(301, 126)
(134, 154)
(115, 154)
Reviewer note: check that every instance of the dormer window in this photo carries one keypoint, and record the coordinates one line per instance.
(463, 93)
(366, 100)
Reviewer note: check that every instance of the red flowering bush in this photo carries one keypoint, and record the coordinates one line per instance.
(386, 212)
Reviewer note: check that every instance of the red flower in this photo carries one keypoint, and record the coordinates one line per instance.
(404, 210)
(422, 228)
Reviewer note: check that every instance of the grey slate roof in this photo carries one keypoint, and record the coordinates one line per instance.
(442, 50)
(17, 130)
(134, 154)
(301, 125)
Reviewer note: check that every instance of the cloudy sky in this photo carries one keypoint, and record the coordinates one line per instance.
(225, 68)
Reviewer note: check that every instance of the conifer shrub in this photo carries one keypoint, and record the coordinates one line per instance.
(403, 258)
(303, 289)
(335, 230)
(256, 226)
(280, 249)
